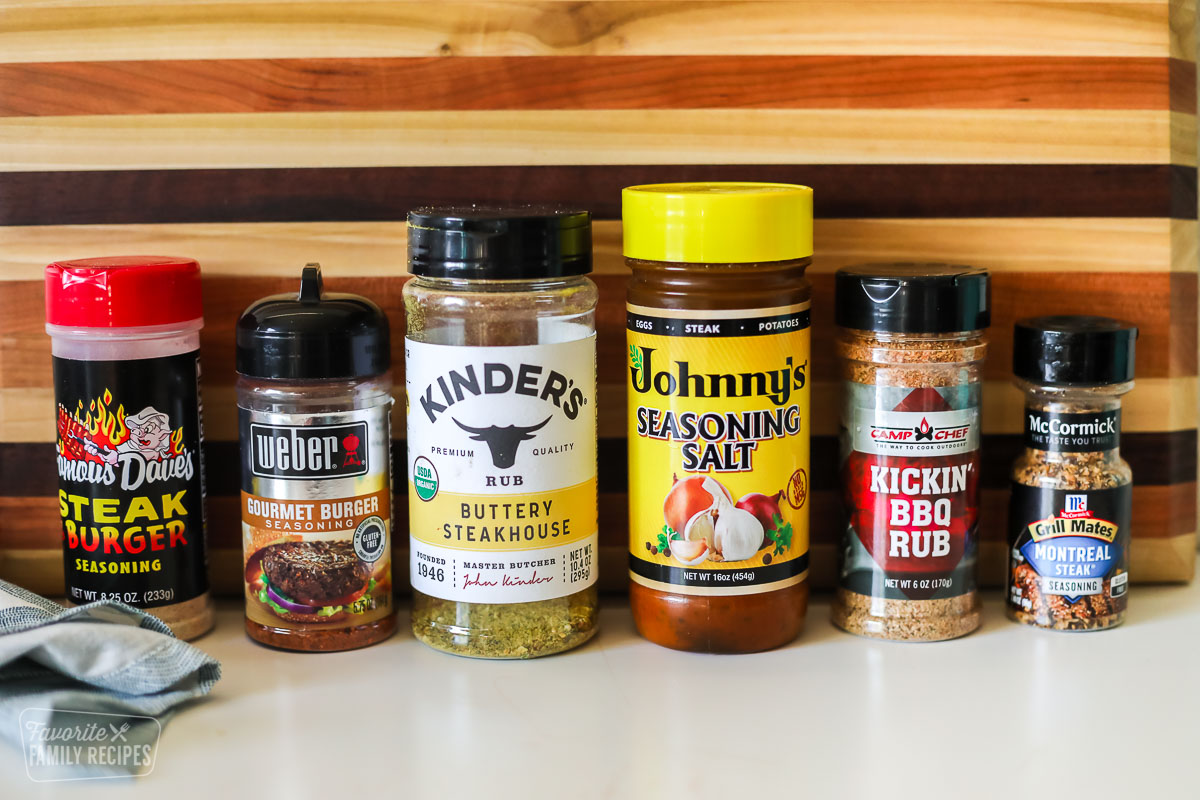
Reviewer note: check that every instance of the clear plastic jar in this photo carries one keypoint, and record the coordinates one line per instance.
(911, 341)
(314, 411)
(500, 357)
(125, 334)
(1071, 490)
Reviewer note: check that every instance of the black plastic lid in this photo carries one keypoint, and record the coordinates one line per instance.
(497, 243)
(1074, 350)
(913, 298)
(315, 335)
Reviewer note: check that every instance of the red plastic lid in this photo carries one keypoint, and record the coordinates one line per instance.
(123, 292)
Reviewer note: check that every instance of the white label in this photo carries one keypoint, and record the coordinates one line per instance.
(502, 470)
(1072, 587)
(916, 433)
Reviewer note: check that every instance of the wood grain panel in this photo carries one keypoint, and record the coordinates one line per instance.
(593, 82)
(1159, 303)
(706, 136)
(387, 193)
(378, 249)
(1156, 404)
(58, 30)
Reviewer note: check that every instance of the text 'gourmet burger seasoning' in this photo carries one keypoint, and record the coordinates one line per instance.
(1071, 493)
(718, 355)
(314, 414)
(911, 341)
(501, 387)
(126, 343)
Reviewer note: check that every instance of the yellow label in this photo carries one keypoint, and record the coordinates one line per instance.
(718, 449)
(489, 523)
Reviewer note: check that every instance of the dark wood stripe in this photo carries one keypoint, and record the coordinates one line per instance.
(589, 82)
(843, 191)
(28, 468)
(1182, 85)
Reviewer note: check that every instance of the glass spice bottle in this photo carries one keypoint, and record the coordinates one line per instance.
(911, 341)
(501, 383)
(1071, 493)
(314, 411)
(718, 349)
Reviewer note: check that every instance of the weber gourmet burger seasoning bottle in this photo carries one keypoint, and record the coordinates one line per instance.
(718, 363)
(125, 336)
(501, 385)
(911, 342)
(1068, 540)
(314, 413)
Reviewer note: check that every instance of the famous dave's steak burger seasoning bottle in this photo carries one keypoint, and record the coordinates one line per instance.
(910, 337)
(314, 413)
(125, 336)
(717, 359)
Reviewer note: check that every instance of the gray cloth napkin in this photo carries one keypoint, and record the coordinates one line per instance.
(104, 667)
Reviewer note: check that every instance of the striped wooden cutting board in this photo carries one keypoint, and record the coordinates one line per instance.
(1052, 142)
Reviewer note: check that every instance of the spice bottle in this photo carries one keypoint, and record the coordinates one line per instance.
(501, 384)
(314, 417)
(718, 351)
(1071, 492)
(125, 337)
(910, 338)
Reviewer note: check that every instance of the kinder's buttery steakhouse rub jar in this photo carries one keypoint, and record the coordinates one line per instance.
(314, 411)
(718, 360)
(501, 383)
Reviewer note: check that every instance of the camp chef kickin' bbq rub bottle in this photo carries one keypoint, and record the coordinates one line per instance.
(718, 369)
(314, 412)
(126, 343)
(911, 342)
(501, 386)
(1068, 526)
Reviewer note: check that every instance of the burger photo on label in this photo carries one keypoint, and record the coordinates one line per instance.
(312, 581)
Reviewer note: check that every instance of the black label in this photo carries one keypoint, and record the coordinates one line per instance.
(1072, 433)
(131, 479)
(737, 326)
(724, 578)
(307, 452)
(1071, 545)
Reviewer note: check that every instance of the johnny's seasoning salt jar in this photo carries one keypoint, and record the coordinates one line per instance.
(314, 413)
(718, 352)
(912, 347)
(125, 336)
(501, 384)
(1068, 540)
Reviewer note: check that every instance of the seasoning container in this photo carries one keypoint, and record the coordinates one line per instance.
(314, 416)
(501, 384)
(718, 352)
(910, 338)
(1071, 491)
(125, 339)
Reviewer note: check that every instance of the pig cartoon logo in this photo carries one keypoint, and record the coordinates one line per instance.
(149, 434)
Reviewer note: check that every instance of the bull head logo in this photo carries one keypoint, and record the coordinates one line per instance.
(503, 442)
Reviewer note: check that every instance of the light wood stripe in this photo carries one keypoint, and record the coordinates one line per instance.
(719, 136)
(378, 249)
(68, 30)
(1156, 404)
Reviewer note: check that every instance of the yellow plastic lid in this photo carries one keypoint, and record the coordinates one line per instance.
(717, 223)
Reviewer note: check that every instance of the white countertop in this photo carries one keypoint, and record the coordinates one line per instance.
(1005, 712)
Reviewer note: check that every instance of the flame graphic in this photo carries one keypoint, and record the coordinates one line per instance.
(925, 426)
(177, 446)
(107, 428)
